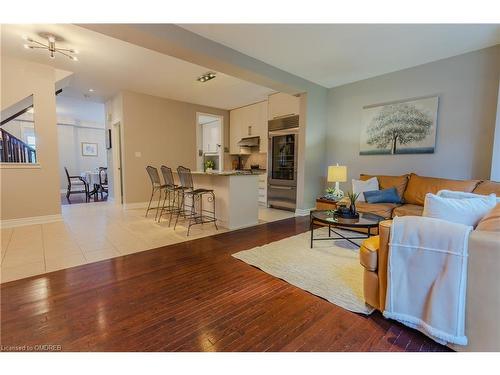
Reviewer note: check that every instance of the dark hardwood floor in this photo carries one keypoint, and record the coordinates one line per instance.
(191, 296)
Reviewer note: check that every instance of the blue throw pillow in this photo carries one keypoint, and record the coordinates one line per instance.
(382, 196)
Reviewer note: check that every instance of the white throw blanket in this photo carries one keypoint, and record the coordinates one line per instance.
(427, 277)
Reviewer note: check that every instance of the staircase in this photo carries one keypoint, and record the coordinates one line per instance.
(14, 150)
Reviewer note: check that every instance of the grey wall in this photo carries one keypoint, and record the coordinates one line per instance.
(467, 86)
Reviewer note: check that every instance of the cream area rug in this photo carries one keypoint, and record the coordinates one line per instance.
(330, 269)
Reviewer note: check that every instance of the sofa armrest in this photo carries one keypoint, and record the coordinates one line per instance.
(483, 295)
(384, 230)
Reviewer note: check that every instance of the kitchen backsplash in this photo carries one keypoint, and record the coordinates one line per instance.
(250, 159)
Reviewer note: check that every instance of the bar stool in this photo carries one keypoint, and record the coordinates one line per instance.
(172, 195)
(156, 186)
(194, 195)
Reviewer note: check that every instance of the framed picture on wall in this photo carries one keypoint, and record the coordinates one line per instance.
(404, 127)
(108, 139)
(89, 149)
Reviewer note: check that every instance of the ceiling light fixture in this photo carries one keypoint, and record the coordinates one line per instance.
(206, 77)
(91, 90)
(51, 47)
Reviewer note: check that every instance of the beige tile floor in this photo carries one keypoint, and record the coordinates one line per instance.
(93, 232)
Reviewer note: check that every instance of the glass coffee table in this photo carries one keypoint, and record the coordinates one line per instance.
(328, 218)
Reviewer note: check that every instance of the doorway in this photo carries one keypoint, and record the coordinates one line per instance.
(83, 158)
(209, 140)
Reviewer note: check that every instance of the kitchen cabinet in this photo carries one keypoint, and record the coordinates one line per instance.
(211, 138)
(281, 105)
(248, 121)
(263, 189)
(235, 130)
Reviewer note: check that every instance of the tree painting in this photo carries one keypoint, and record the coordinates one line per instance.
(400, 128)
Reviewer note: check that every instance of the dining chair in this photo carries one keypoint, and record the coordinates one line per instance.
(103, 181)
(76, 182)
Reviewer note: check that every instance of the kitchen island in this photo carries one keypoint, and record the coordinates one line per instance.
(236, 197)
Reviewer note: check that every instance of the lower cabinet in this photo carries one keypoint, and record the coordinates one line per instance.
(263, 189)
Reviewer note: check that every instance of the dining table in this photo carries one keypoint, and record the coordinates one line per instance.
(92, 179)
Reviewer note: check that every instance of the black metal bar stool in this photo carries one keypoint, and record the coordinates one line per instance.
(172, 194)
(156, 186)
(187, 207)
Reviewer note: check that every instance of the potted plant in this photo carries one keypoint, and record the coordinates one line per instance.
(209, 166)
(352, 199)
(329, 193)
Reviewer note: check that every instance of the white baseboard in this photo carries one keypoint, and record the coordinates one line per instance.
(34, 220)
(302, 211)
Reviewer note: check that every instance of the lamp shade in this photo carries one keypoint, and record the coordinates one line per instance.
(337, 173)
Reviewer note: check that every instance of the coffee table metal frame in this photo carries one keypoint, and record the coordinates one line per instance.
(345, 226)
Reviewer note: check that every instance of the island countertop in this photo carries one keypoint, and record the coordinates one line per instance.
(228, 173)
(236, 196)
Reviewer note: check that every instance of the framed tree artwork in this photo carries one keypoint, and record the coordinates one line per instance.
(89, 149)
(405, 127)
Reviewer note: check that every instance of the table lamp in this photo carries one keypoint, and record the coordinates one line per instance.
(337, 173)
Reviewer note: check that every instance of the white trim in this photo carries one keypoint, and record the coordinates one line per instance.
(303, 211)
(63, 191)
(34, 220)
(20, 166)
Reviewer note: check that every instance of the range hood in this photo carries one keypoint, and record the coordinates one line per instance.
(249, 142)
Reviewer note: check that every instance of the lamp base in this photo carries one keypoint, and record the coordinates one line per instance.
(337, 193)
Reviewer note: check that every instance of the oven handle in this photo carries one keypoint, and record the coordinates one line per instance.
(280, 187)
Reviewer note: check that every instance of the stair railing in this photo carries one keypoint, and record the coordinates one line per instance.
(14, 150)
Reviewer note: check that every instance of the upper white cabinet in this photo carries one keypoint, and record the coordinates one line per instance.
(281, 105)
(249, 121)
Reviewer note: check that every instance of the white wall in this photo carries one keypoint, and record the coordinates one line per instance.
(495, 158)
(467, 87)
(30, 191)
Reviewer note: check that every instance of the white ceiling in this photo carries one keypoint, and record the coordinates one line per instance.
(332, 55)
(74, 110)
(109, 65)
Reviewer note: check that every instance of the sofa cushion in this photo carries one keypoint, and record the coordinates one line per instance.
(386, 182)
(487, 187)
(382, 196)
(419, 186)
(462, 211)
(380, 209)
(368, 253)
(360, 186)
(491, 222)
(408, 210)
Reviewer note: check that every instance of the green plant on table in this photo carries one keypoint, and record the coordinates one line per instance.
(352, 197)
(209, 164)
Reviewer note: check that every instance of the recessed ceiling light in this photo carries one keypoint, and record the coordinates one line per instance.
(91, 90)
(206, 77)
